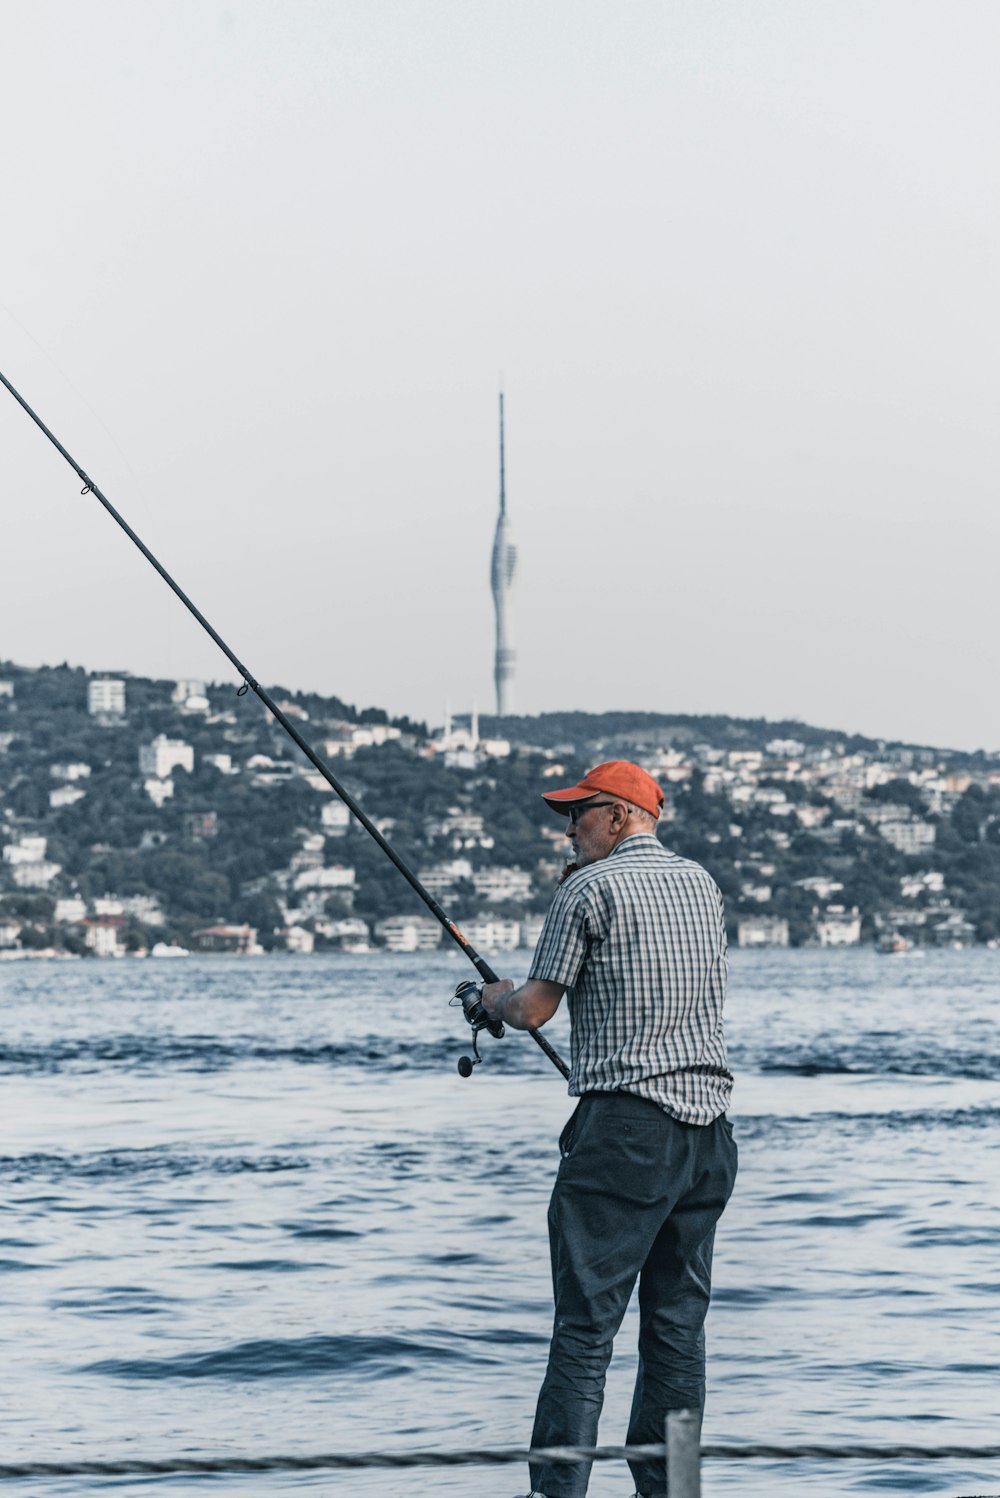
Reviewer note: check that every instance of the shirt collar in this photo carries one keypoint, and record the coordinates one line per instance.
(640, 839)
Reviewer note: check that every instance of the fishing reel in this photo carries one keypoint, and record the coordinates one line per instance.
(470, 996)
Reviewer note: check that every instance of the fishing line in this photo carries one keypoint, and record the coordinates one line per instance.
(471, 1003)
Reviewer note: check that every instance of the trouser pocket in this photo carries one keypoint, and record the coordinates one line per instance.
(568, 1134)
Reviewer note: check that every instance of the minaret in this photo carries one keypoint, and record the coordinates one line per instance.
(501, 578)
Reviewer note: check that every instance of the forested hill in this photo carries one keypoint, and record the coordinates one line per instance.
(168, 807)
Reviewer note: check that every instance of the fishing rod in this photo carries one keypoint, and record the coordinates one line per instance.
(468, 994)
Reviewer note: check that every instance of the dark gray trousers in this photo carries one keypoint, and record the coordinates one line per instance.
(637, 1196)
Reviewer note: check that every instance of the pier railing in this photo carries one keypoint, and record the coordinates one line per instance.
(682, 1449)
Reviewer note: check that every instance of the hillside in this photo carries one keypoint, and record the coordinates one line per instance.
(191, 811)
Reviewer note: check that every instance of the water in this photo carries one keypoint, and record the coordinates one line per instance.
(249, 1206)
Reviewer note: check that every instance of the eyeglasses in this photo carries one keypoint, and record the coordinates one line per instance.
(576, 812)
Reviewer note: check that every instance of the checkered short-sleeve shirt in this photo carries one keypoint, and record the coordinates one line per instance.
(639, 939)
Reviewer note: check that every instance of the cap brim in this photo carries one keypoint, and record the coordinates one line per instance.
(563, 800)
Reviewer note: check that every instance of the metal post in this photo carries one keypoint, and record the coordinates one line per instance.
(684, 1453)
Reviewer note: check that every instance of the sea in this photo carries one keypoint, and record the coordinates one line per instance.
(249, 1207)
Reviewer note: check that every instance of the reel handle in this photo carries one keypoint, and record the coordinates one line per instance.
(470, 996)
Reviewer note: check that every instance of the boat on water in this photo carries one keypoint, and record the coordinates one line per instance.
(894, 942)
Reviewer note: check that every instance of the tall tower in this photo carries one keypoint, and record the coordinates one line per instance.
(501, 578)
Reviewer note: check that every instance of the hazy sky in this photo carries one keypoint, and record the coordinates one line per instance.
(263, 264)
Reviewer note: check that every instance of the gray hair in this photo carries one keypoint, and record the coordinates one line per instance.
(640, 813)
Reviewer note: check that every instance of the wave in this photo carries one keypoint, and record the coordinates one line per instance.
(361, 1357)
(971, 1065)
(112, 1164)
(209, 1053)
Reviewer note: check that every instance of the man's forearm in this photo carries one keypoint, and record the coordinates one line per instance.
(524, 1008)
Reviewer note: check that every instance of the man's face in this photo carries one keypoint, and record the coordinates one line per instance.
(593, 829)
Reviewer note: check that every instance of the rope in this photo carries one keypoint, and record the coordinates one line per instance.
(483, 1456)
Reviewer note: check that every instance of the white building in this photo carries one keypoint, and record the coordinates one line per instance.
(76, 771)
(108, 905)
(298, 939)
(335, 818)
(35, 875)
(820, 886)
(105, 697)
(759, 892)
(762, 931)
(350, 931)
(334, 876)
(409, 933)
(190, 696)
(30, 848)
(157, 790)
(531, 930)
(71, 911)
(785, 749)
(346, 739)
(463, 824)
(491, 934)
(65, 795)
(444, 876)
(104, 939)
(502, 884)
(912, 885)
(910, 836)
(839, 927)
(164, 755)
(6, 689)
(144, 908)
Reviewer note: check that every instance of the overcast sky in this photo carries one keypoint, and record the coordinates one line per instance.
(265, 262)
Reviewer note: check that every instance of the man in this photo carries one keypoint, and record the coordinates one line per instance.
(636, 936)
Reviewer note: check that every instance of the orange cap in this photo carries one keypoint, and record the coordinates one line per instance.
(616, 777)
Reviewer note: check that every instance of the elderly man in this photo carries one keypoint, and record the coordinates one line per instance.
(636, 936)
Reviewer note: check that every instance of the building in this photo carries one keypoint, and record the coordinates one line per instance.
(333, 876)
(335, 818)
(76, 771)
(164, 755)
(762, 931)
(492, 934)
(70, 912)
(104, 936)
(839, 927)
(299, 939)
(190, 697)
(409, 933)
(443, 877)
(531, 930)
(502, 884)
(350, 933)
(6, 689)
(911, 836)
(106, 697)
(238, 940)
(143, 908)
(65, 795)
(30, 848)
(503, 567)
